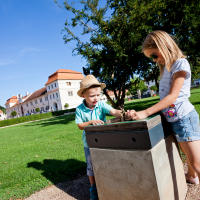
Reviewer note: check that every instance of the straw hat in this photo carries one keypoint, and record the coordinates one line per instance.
(87, 82)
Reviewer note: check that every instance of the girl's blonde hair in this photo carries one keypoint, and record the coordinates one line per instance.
(166, 45)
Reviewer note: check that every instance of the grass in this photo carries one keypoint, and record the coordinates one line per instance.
(38, 154)
(42, 153)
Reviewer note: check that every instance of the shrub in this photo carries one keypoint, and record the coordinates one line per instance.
(128, 94)
(9, 122)
(153, 87)
(66, 105)
(37, 110)
(13, 113)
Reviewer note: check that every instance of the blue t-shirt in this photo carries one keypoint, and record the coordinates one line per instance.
(181, 106)
(84, 114)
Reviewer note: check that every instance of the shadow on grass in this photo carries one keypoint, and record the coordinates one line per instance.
(56, 120)
(60, 172)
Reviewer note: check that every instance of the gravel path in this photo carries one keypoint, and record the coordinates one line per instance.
(78, 189)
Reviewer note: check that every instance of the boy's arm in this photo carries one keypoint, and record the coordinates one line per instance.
(81, 126)
(117, 113)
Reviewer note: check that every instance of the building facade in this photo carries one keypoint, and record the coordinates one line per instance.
(2, 115)
(61, 88)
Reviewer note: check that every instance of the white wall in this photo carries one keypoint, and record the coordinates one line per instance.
(68, 93)
(2, 116)
(151, 83)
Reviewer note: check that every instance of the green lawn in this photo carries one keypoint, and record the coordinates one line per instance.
(38, 154)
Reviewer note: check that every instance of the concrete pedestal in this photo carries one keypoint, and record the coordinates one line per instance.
(136, 174)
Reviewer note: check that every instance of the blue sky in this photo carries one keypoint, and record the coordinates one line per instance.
(32, 46)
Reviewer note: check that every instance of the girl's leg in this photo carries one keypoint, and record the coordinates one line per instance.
(190, 173)
(192, 150)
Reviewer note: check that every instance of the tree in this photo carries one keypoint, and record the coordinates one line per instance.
(128, 93)
(154, 88)
(13, 113)
(66, 105)
(37, 110)
(137, 84)
(3, 109)
(113, 52)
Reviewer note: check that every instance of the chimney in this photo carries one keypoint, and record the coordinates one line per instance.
(26, 93)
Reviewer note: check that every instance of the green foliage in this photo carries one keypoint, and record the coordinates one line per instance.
(66, 105)
(3, 109)
(113, 51)
(137, 84)
(9, 122)
(154, 88)
(128, 93)
(37, 110)
(13, 113)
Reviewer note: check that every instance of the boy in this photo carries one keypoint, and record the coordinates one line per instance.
(92, 111)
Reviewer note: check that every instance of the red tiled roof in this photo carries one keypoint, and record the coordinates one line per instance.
(63, 74)
(13, 99)
(1, 111)
(37, 93)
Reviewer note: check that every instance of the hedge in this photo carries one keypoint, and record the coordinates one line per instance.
(19, 120)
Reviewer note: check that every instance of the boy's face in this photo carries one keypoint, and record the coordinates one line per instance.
(92, 96)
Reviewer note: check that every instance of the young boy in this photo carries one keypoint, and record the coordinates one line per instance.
(92, 111)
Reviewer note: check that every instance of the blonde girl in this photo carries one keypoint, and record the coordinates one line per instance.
(174, 91)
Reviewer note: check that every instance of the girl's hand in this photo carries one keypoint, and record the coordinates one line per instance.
(139, 115)
(96, 122)
(130, 114)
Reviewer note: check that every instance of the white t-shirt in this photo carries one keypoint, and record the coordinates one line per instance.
(181, 106)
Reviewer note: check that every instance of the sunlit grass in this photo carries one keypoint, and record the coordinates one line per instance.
(38, 154)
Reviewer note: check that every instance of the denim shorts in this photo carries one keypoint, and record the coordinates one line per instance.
(89, 162)
(187, 128)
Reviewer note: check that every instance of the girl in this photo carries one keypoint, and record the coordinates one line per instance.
(174, 91)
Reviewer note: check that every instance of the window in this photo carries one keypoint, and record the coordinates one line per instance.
(27, 111)
(0, 115)
(56, 94)
(36, 102)
(31, 103)
(46, 98)
(18, 108)
(51, 86)
(70, 93)
(40, 100)
(50, 96)
(26, 105)
(55, 84)
(47, 107)
(53, 96)
(68, 83)
(197, 83)
(42, 109)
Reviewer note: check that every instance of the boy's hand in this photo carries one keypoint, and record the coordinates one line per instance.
(139, 115)
(96, 122)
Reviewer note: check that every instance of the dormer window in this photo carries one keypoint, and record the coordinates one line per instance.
(49, 87)
(55, 84)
